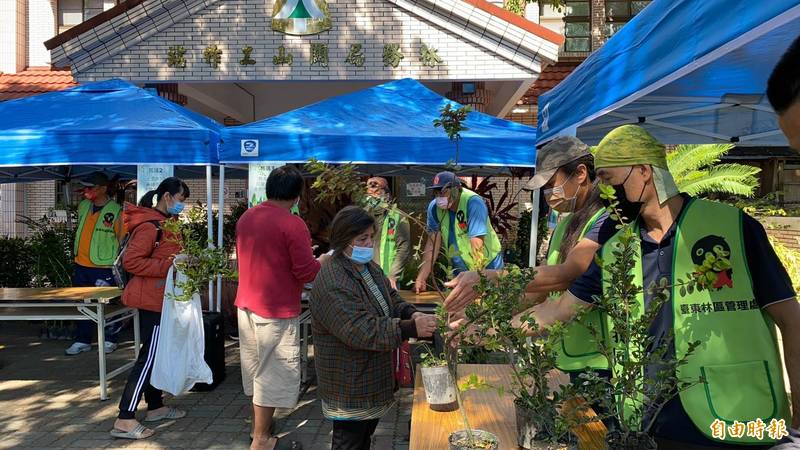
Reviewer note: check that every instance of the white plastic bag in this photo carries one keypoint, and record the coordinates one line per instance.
(179, 362)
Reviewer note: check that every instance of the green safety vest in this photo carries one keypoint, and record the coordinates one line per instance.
(388, 245)
(491, 243)
(578, 349)
(105, 244)
(738, 354)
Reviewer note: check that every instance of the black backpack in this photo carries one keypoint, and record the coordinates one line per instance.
(122, 276)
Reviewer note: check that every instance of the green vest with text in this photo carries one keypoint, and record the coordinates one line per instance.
(388, 244)
(578, 349)
(738, 355)
(491, 243)
(105, 244)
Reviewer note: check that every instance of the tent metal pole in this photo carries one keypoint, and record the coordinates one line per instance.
(534, 228)
(209, 210)
(220, 223)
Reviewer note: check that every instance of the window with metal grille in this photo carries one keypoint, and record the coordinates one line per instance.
(577, 27)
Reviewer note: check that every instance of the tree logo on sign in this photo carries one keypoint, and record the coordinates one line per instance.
(301, 17)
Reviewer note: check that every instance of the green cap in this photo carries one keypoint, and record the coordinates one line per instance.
(632, 145)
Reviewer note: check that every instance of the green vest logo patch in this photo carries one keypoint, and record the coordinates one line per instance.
(462, 220)
(713, 245)
(108, 220)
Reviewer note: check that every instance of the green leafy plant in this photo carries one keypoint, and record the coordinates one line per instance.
(451, 120)
(628, 396)
(203, 263)
(531, 359)
(16, 262)
(51, 245)
(766, 206)
(790, 259)
(697, 171)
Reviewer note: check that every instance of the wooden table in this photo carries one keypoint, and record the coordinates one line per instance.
(78, 303)
(486, 410)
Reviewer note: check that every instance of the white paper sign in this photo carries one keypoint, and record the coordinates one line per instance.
(149, 176)
(249, 147)
(415, 189)
(257, 182)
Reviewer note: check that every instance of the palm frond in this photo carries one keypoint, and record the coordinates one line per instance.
(736, 179)
(687, 158)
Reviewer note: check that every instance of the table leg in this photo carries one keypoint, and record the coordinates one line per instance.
(137, 339)
(101, 349)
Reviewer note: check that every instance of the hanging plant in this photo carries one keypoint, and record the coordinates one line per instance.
(212, 55)
(176, 57)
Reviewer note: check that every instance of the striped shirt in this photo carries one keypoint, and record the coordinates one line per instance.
(374, 289)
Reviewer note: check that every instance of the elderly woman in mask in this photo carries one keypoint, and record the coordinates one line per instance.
(358, 321)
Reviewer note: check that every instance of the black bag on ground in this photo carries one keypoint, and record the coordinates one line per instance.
(214, 330)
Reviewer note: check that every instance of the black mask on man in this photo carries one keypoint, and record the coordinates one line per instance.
(628, 209)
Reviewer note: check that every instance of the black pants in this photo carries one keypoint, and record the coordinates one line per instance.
(139, 379)
(353, 434)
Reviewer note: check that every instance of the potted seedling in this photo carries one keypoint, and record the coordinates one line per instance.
(439, 384)
(542, 420)
(643, 370)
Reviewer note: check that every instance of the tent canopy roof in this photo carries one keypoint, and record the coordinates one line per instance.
(106, 123)
(690, 71)
(387, 124)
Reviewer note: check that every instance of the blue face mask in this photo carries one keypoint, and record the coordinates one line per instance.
(176, 208)
(361, 255)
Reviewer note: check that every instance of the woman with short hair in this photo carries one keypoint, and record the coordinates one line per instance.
(358, 321)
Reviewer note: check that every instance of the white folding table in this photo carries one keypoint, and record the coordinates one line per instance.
(79, 303)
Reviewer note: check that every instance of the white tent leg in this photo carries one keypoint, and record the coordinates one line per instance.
(534, 228)
(209, 205)
(220, 223)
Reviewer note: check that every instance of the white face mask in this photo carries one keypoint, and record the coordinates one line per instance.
(556, 198)
(442, 202)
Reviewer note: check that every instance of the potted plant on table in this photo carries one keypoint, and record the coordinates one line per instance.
(543, 422)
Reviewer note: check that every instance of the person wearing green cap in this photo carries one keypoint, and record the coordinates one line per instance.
(738, 356)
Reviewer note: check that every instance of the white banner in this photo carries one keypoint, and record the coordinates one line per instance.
(257, 182)
(149, 176)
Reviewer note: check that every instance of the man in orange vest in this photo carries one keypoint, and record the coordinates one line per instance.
(96, 245)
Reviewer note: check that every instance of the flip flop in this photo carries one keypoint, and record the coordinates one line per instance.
(172, 413)
(135, 434)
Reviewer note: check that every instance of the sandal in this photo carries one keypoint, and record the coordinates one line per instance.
(172, 413)
(135, 434)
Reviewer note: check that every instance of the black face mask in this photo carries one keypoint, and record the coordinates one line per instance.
(628, 209)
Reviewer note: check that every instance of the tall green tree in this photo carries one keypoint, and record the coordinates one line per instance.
(697, 171)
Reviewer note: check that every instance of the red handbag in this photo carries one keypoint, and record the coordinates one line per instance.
(401, 360)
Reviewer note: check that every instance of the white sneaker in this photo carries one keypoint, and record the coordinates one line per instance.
(78, 347)
(110, 347)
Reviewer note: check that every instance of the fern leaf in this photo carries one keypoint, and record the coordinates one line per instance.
(736, 179)
(687, 158)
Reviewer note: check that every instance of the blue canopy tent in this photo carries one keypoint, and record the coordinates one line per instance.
(389, 124)
(110, 126)
(690, 71)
